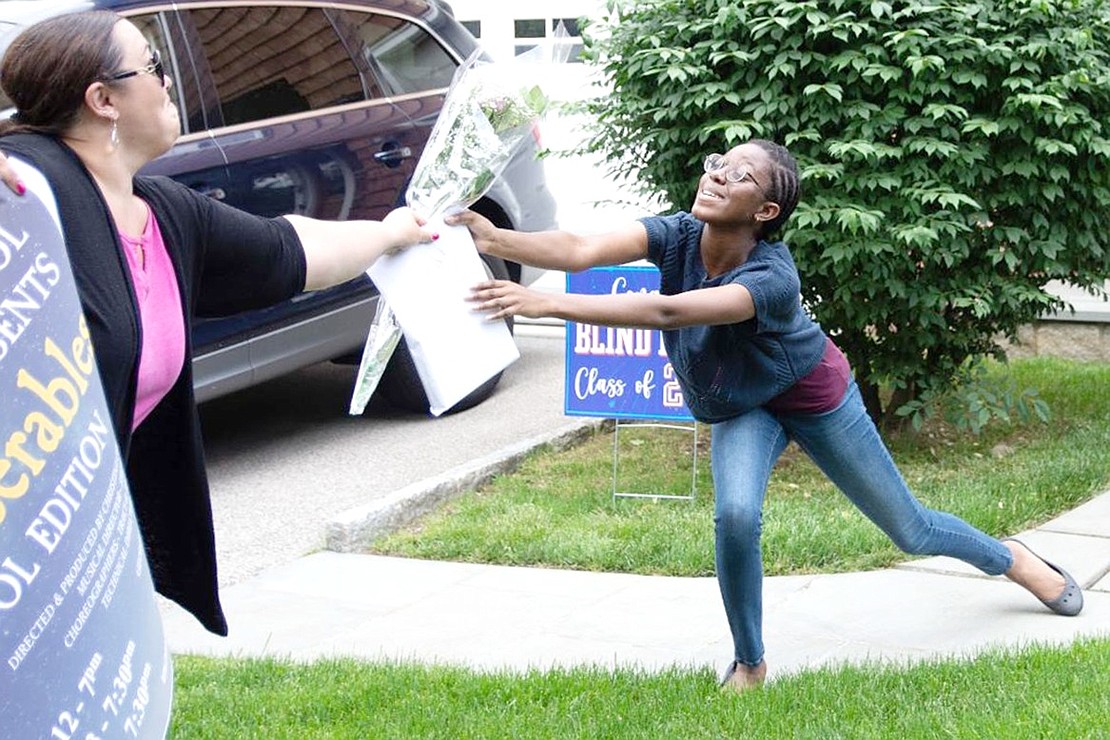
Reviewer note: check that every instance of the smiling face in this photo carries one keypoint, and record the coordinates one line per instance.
(742, 203)
(148, 120)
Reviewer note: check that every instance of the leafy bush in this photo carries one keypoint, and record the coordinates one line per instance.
(953, 155)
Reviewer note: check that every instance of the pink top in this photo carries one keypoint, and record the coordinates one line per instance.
(162, 355)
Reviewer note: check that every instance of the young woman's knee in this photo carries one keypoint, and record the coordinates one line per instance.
(738, 519)
(911, 540)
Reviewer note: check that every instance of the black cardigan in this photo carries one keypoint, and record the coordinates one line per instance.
(226, 261)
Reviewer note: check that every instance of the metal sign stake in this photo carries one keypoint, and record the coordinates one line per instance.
(691, 427)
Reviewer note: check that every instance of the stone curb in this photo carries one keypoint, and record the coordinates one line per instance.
(355, 529)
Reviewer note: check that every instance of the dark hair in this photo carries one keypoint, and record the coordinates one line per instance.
(784, 188)
(48, 67)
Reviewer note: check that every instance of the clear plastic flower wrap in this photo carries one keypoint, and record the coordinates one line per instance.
(380, 343)
(488, 112)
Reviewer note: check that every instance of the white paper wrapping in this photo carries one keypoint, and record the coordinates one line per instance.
(454, 348)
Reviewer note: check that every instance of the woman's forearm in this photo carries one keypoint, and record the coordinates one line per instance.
(555, 250)
(725, 304)
(336, 251)
(636, 310)
(550, 250)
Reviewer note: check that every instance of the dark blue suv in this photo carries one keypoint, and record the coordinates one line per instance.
(315, 108)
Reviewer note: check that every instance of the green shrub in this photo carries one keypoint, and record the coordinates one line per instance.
(953, 155)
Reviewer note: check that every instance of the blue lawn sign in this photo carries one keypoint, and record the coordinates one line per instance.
(82, 652)
(619, 373)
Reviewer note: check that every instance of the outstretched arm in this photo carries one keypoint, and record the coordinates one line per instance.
(724, 304)
(556, 250)
(336, 251)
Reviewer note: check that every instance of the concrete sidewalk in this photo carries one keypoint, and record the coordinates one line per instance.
(495, 617)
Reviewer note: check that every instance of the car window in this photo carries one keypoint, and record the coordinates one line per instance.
(156, 28)
(404, 56)
(275, 61)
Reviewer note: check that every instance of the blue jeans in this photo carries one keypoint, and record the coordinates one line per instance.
(846, 446)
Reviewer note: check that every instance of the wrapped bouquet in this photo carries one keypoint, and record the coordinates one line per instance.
(485, 117)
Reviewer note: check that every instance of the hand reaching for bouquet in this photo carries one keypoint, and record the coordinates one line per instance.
(482, 230)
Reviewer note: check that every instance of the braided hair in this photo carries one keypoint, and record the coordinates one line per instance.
(784, 188)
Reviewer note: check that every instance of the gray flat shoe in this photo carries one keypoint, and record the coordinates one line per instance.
(728, 674)
(734, 681)
(1070, 601)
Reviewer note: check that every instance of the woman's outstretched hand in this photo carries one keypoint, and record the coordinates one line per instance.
(408, 228)
(481, 229)
(502, 298)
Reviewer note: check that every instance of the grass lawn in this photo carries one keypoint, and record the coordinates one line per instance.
(1035, 693)
(557, 509)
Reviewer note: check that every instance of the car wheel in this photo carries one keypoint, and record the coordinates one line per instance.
(400, 384)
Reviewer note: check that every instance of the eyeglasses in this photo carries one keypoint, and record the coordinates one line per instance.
(154, 68)
(714, 162)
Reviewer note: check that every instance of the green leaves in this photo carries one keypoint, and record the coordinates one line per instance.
(834, 91)
(954, 155)
(855, 220)
(880, 9)
(984, 126)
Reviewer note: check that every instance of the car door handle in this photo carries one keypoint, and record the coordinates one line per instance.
(216, 193)
(391, 156)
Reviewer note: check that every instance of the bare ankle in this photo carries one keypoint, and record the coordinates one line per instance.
(1033, 573)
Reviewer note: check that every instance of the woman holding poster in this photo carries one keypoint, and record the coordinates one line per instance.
(757, 368)
(92, 109)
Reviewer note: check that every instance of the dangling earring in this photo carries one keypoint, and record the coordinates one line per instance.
(113, 137)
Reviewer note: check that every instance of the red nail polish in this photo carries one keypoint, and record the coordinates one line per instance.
(435, 236)
(20, 188)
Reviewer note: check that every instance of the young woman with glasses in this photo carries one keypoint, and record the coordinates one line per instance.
(757, 368)
(92, 108)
